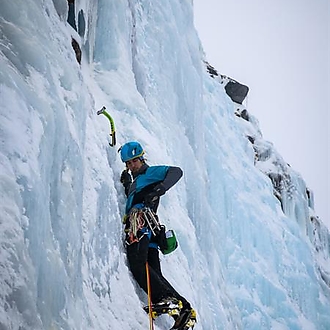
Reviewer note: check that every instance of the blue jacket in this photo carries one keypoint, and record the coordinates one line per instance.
(147, 178)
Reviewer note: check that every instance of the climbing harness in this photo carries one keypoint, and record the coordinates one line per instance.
(141, 222)
(145, 222)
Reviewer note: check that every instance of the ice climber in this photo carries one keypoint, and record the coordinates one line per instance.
(143, 186)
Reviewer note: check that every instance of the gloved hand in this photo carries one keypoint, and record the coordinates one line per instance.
(158, 190)
(161, 238)
(126, 180)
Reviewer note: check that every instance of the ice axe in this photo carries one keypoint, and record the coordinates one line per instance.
(104, 112)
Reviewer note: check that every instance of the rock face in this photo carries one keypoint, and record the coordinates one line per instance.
(235, 90)
(72, 21)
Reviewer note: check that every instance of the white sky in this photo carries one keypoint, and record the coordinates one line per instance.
(280, 49)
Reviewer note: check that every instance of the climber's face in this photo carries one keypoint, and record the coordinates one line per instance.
(134, 165)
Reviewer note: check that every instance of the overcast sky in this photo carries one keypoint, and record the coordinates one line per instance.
(280, 49)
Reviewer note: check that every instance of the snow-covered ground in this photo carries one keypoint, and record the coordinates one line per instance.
(242, 262)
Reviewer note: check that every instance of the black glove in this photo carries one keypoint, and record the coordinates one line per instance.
(125, 177)
(126, 180)
(152, 197)
(161, 238)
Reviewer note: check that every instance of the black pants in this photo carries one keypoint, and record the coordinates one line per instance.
(138, 254)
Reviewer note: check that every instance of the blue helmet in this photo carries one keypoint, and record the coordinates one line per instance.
(131, 150)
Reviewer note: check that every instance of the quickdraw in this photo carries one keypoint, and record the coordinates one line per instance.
(139, 219)
(112, 126)
(136, 223)
(152, 220)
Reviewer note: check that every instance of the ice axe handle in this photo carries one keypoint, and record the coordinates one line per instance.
(113, 136)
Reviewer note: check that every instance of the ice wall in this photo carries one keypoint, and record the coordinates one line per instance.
(242, 262)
